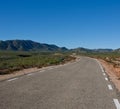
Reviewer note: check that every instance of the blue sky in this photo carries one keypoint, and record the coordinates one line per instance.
(69, 23)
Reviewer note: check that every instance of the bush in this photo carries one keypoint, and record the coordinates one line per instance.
(28, 60)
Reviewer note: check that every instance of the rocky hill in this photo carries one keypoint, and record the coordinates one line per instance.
(86, 50)
(117, 50)
(28, 45)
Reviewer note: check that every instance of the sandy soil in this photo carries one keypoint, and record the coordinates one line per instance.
(113, 73)
(18, 73)
(29, 70)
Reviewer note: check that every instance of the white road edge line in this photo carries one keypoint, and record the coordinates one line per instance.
(104, 74)
(29, 74)
(117, 104)
(106, 79)
(110, 87)
(12, 79)
(42, 70)
(100, 65)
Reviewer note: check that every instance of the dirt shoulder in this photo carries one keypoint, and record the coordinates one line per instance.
(112, 72)
(18, 73)
(30, 70)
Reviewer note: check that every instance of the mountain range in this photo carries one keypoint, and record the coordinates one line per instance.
(29, 45)
(86, 50)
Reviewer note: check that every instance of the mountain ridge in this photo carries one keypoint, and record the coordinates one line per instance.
(87, 50)
(28, 45)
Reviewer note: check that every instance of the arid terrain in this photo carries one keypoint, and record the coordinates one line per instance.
(112, 68)
(32, 70)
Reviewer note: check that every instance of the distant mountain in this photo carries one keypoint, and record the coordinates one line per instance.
(103, 50)
(81, 50)
(28, 45)
(117, 50)
(86, 50)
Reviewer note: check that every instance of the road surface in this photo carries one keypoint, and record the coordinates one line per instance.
(78, 85)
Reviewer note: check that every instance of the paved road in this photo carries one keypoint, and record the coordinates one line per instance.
(78, 85)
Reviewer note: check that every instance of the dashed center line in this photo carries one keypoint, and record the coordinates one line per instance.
(117, 104)
(110, 87)
(12, 79)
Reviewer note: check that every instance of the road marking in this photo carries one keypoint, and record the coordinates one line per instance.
(104, 74)
(102, 69)
(106, 79)
(117, 104)
(30, 74)
(100, 65)
(12, 79)
(110, 87)
(42, 70)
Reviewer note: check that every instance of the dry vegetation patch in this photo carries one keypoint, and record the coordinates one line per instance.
(14, 61)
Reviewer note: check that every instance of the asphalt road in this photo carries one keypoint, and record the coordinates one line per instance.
(78, 85)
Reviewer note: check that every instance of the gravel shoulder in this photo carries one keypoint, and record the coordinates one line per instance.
(29, 70)
(112, 72)
(18, 73)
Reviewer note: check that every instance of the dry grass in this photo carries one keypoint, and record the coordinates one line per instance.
(13, 61)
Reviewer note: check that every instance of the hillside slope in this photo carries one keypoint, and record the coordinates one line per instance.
(28, 45)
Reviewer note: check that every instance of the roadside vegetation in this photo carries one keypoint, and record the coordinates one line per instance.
(111, 57)
(12, 61)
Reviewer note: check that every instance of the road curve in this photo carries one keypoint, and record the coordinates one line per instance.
(78, 85)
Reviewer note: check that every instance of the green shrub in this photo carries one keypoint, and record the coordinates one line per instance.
(12, 61)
